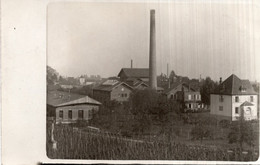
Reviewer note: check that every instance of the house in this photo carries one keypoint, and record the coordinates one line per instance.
(112, 89)
(130, 74)
(65, 106)
(79, 109)
(232, 98)
(188, 98)
(82, 80)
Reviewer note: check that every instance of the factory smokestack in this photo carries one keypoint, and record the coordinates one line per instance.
(131, 63)
(152, 52)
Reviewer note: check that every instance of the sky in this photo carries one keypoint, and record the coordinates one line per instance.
(206, 38)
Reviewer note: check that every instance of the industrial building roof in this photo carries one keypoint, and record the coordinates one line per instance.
(135, 72)
(234, 86)
(84, 100)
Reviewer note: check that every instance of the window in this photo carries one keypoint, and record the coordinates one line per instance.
(70, 114)
(236, 110)
(251, 98)
(122, 95)
(171, 96)
(126, 95)
(80, 114)
(248, 111)
(91, 112)
(221, 98)
(236, 99)
(190, 106)
(221, 108)
(194, 97)
(189, 97)
(61, 114)
(175, 96)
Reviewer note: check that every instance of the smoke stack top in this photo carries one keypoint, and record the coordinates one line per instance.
(152, 52)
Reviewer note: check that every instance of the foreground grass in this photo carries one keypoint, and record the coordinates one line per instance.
(72, 144)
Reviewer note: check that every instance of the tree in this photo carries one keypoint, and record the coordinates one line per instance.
(207, 87)
(241, 132)
(149, 107)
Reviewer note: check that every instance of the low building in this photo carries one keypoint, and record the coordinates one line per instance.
(79, 109)
(112, 90)
(56, 97)
(71, 103)
(188, 98)
(232, 98)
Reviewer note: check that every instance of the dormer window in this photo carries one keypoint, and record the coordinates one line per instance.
(242, 88)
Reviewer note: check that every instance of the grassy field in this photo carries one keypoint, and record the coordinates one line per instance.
(75, 144)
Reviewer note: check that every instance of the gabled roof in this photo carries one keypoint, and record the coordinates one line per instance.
(246, 103)
(175, 85)
(234, 86)
(140, 83)
(55, 98)
(111, 87)
(83, 100)
(135, 72)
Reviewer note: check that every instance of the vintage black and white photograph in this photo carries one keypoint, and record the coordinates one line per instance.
(174, 80)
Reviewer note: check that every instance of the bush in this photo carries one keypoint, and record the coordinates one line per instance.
(200, 132)
(224, 123)
(80, 123)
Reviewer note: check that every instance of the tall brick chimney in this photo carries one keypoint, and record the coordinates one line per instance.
(152, 52)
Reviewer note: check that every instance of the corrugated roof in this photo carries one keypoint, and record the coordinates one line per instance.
(234, 86)
(135, 72)
(84, 100)
(246, 103)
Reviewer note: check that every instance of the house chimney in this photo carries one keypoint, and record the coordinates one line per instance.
(131, 63)
(152, 52)
(220, 80)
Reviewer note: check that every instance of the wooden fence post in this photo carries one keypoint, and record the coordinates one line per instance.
(53, 141)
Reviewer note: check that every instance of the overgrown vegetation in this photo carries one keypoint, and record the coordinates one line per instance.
(75, 144)
(242, 132)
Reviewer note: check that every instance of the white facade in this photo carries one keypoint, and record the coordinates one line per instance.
(82, 81)
(231, 106)
(237, 104)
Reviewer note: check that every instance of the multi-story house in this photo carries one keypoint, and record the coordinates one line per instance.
(232, 98)
(188, 98)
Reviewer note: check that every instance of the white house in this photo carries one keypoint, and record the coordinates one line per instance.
(232, 97)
